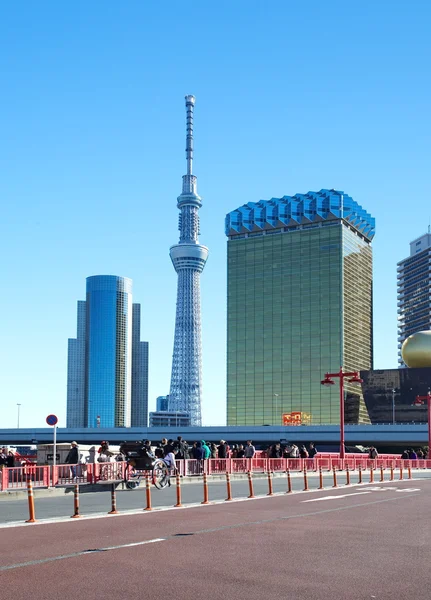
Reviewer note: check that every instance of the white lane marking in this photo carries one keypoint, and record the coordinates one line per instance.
(336, 497)
(391, 489)
(135, 544)
(42, 561)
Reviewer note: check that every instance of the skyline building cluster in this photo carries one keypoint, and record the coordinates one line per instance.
(299, 304)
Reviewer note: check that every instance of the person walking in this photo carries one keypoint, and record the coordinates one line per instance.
(312, 451)
(222, 450)
(207, 451)
(250, 450)
(72, 459)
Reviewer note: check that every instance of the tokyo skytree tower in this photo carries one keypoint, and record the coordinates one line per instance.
(189, 258)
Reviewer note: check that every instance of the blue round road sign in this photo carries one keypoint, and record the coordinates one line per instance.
(51, 420)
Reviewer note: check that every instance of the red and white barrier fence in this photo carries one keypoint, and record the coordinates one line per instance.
(45, 476)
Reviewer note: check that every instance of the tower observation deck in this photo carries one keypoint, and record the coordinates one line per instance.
(189, 258)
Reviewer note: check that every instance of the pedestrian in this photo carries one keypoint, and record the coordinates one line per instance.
(3, 458)
(413, 455)
(240, 453)
(312, 451)
(213, 450)
(234, 451)
(169, 459)
(249, 450)
(287, 450)
(420, 453)
(72, 459)
(10, 460)
(180, 448)
(275, 451)
(303, 453)
(222, 450)
(197, 451)
(205, 448)
(405, 455)
(294, 452)
(373, 454)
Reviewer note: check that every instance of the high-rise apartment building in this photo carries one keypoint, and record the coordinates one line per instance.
(414, 291)
(189, 258)
(299, 305)
(107, 382)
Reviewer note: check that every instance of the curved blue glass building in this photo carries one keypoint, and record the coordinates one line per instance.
(108, 368)
(108, 365)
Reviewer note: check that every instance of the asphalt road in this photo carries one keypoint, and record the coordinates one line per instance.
(99, 502)
(354, 543)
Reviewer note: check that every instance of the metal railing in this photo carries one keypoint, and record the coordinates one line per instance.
(63, 475)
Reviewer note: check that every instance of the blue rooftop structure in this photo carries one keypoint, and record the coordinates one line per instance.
(290, 212)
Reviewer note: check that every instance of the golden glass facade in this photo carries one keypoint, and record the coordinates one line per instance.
(299, 305)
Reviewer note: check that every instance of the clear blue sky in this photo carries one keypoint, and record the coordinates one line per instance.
(291, 97)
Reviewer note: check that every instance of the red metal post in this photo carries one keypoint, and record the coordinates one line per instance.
(342, 451)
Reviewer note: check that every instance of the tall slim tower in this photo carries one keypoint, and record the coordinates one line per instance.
(189, 258)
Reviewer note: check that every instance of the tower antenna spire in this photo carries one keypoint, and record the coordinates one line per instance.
(190, 105)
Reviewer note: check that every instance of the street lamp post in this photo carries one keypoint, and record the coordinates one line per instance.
(352, 377)
(421, 400)
(393, 406)
(276, 408)
(19, 406)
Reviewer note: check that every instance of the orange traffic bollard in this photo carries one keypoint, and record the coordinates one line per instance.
(320, 479)
(229, 488)
(250, 485)
(178, 485)
(347, 476)
(409, 471)
(305, 479)
(401, 473)
(289, 483)
(148, 493)
(270, 492)
(31, 511)
(334, 474)
(382, 475)
(360, 474)
(205, 500)
(392, 473)
(371, 475)
(76, 514)
(113, 510)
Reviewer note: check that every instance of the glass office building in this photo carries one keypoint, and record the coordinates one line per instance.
(107, 363)
(414, 291)
(299, 305)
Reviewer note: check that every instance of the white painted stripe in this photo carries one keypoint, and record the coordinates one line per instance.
(135, 544)
(336, 497)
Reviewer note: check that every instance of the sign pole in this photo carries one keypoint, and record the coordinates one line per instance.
(55, 456)
(52, 421)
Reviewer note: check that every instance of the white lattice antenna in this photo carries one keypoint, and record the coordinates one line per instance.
(189, 258)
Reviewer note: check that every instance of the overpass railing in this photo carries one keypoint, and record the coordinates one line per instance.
(63, 475)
